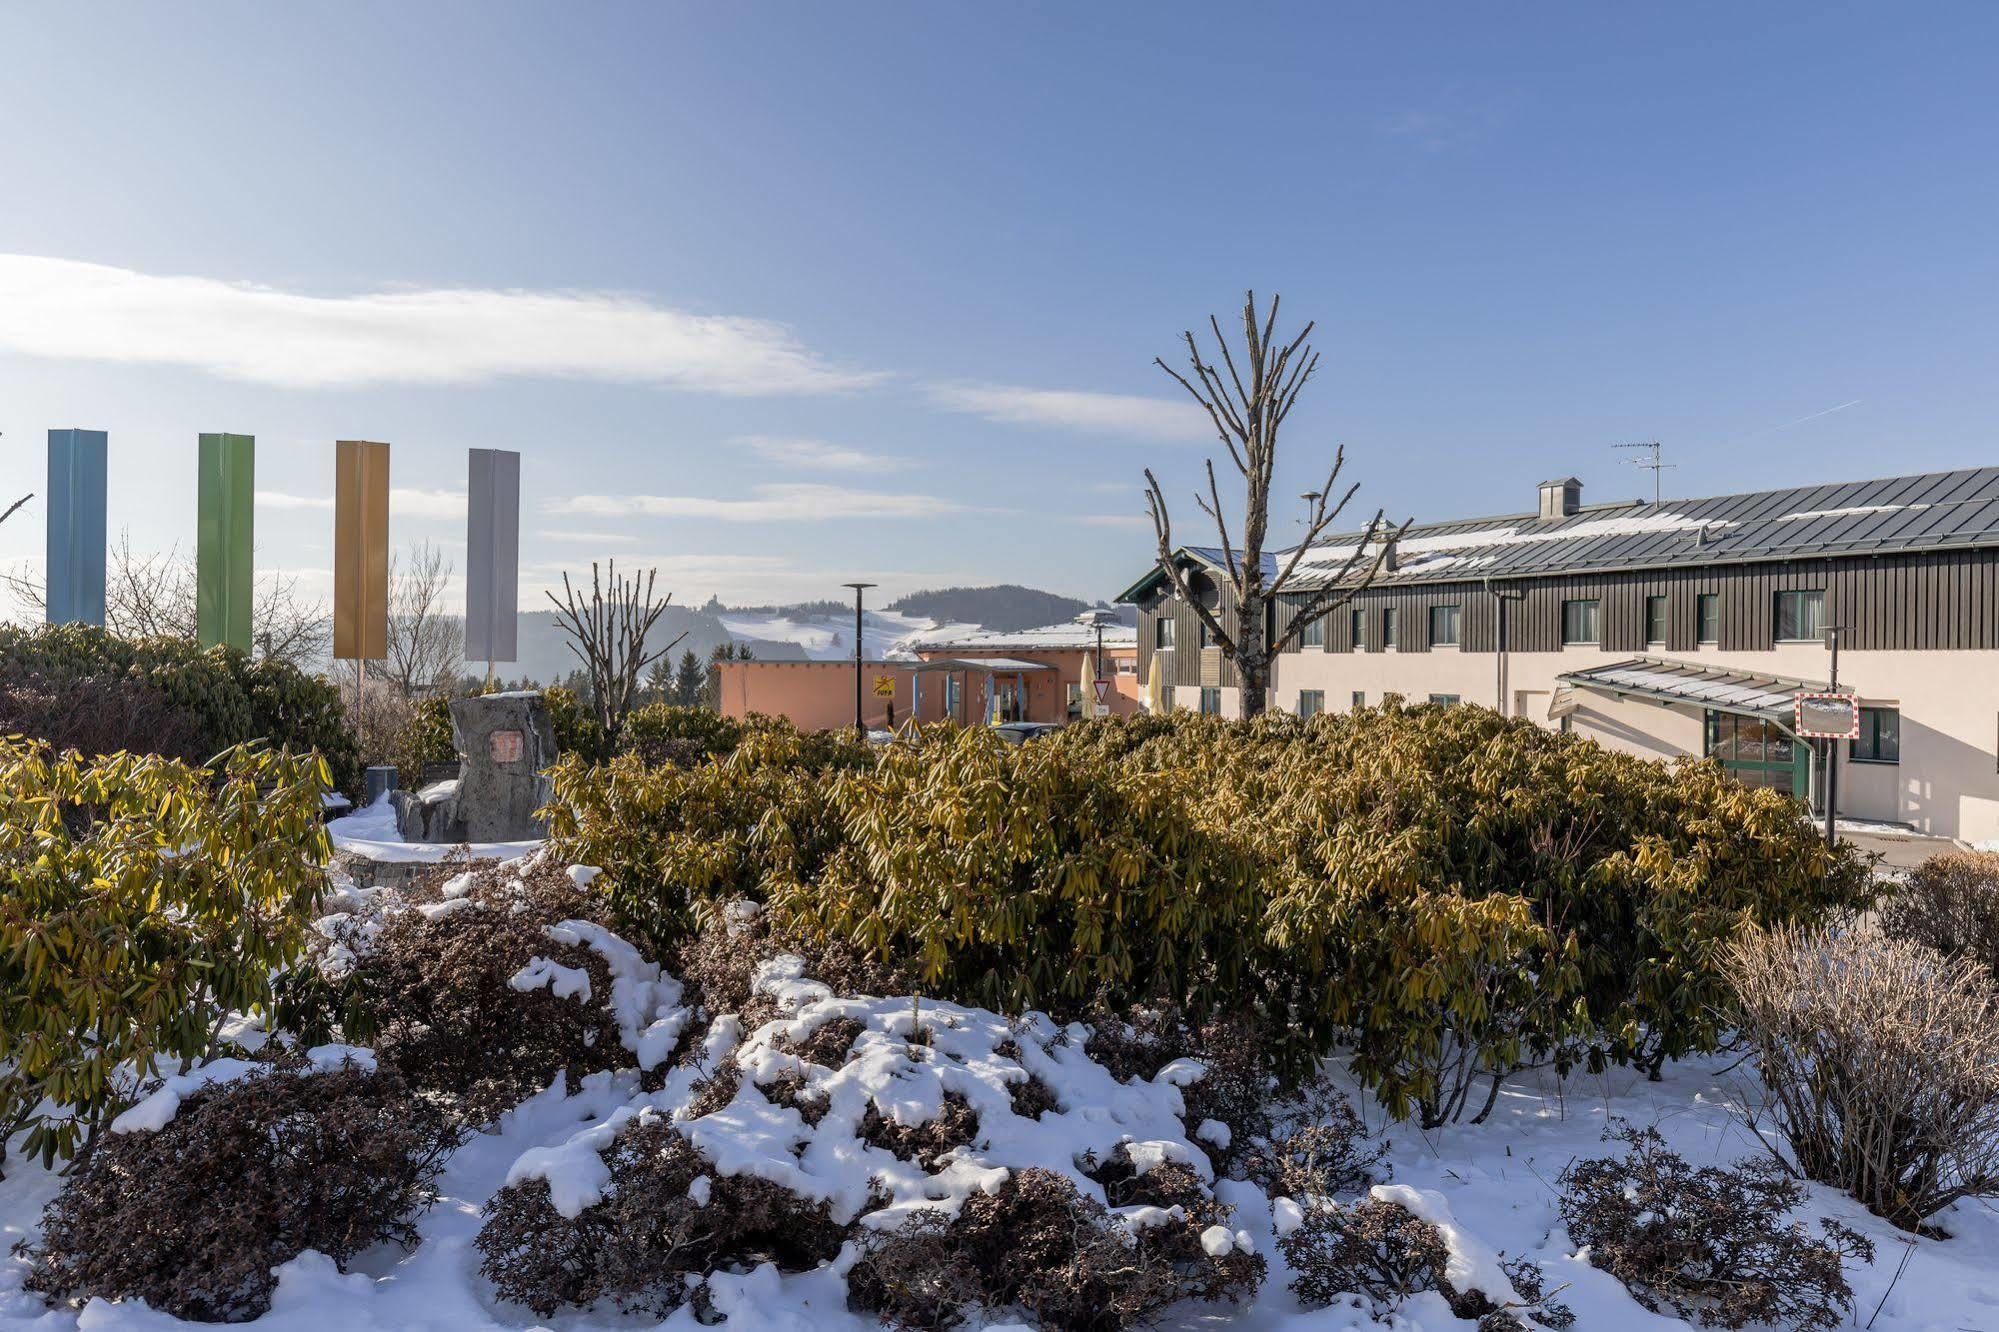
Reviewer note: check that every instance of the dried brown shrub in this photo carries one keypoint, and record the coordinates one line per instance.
(1039, 1245)
(193, 1216)
(1235, 1049)
(1320, 1160)
(1949, 903)
(1710, 1244)
(639, 1245)
(1031, 1098)
(718, 966)
(435, 999)
(1880, 1060)
(99, 714)
(926, 1143)
(1384, 1253)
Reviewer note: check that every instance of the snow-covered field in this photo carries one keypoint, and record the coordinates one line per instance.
(885, 636)
(1492, 1186)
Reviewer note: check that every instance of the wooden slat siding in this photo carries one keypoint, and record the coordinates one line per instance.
(1928, 601)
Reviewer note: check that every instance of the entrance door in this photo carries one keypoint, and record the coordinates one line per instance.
(1760, 753)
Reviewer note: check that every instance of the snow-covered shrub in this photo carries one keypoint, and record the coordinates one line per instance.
(1226, 1103)
(665, 1216)
(1037, 1244)
(719, 965)
(1711, 1244)
(1328, 1155)
(143, 899)
(191, 1216)
(1949, 903)
(1399, 1242)
(498, 985)
(1880, 1060)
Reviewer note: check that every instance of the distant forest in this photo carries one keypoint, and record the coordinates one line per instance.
(1002, 609)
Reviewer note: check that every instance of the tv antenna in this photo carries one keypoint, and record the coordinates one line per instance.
(1652, 462)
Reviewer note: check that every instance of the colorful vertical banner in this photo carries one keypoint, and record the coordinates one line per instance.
(224, 548)
(492, 556)
(360, 550)
(75, 571)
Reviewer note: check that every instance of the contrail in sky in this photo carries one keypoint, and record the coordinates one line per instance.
(1814, 416)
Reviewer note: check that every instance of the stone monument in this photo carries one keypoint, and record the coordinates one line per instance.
(505, 742)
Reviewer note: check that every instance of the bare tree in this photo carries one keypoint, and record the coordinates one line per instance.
(608, 635)
(15, 505)
(149, 595)
(426, 644)
(1247, 405)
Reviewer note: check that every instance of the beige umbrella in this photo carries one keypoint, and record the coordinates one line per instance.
(1089, 686)
(1155, 686)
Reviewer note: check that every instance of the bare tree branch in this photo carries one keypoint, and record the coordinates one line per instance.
(608, 635)
(1248, 401)
(426, 643)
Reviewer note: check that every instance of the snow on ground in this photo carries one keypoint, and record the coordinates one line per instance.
(371, 831)
(886, 635)
(1490, 1187)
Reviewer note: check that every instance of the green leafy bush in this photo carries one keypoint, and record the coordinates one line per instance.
(227, 697)
(1448, 892)
(665, 732)
(145, 899)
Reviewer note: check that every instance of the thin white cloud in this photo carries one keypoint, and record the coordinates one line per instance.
(278, 499)
(1075, 409)
(66, 309)
(794, 451)
(784, 503)
(1115, 520)
(589, 538)
(404, 502)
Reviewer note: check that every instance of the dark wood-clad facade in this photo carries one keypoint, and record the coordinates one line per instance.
(1912, 601)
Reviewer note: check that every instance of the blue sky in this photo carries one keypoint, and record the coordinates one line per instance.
(777, 296)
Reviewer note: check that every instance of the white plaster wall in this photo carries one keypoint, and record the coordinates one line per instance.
(1947, 783)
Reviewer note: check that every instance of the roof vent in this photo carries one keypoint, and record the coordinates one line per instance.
(1390, 557)
(1561, 498)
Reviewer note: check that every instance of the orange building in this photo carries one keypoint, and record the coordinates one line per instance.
(1032, 675)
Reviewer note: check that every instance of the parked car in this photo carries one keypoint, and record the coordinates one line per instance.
(1019, 733)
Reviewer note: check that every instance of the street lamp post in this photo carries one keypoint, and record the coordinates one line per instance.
(860, 727)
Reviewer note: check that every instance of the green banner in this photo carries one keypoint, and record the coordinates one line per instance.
(224, 558)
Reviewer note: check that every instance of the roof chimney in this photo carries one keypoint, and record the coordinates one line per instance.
(1390, 557)
(1561, 498)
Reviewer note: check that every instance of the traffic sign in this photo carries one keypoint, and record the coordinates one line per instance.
(1828, 716)
(884, 686)
(1103, 691)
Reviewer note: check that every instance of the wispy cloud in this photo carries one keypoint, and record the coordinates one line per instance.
(66, 309)
(589, 538)
(1114, 520)
(795, 451)
(1076, 409)
(781, 503)
(403, 501)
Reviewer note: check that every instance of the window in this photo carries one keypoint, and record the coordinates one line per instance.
(1311, 702)
(1388, 636)
(1313, 634)
(1206, 635)
(1655, 620)
(1359, 620)
(1579, 622)
(1360, 698)
(1162, 634)
(1757, 752)
(1444, 626)
(1800, 616)
(1880, 737)
(1445, 700)
(1707, 617)
(1211, 701)
(1127, 666)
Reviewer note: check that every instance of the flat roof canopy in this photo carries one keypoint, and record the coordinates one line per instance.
(982, 665)
(1746, 693)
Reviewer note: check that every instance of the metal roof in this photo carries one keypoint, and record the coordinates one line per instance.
(1069, 635)
(1933, 511)
(1666, 680)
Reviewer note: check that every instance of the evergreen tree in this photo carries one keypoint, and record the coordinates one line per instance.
(690, 680)
(660, 684)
